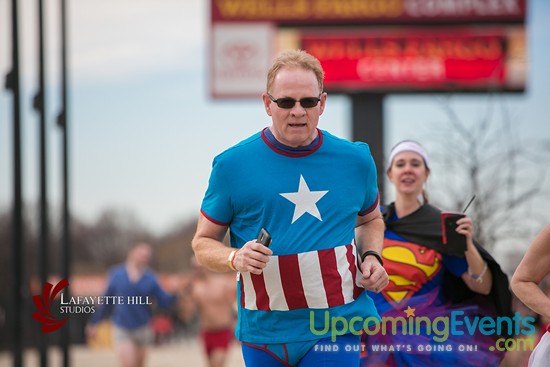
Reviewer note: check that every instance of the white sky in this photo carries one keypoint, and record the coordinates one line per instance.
(143, 129)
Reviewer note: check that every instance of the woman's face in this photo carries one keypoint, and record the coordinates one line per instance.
(408, 173)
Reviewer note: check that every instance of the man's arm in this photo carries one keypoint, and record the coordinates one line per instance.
(369, 236)
(207, 244)
(102, 312)
(534, 266)
(214, 255)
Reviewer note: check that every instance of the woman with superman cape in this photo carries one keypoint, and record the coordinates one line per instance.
(441, 307)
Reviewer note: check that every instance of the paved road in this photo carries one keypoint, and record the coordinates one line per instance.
(180, 354)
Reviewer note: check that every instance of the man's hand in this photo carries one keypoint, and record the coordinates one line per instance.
(252, 257)
(374, 277)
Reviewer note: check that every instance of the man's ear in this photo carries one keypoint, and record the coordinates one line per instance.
(267, 103)
(322, 102)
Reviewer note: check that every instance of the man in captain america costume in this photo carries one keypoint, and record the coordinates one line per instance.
(317, 196)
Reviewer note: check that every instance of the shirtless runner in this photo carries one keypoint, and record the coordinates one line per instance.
(212, 295)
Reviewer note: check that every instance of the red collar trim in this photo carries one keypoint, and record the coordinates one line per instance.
(293, 155)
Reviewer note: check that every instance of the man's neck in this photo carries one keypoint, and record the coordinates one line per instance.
(289, 149)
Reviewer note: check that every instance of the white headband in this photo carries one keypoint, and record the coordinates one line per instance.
(408, 146)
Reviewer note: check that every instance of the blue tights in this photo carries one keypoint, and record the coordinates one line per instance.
(345, 351)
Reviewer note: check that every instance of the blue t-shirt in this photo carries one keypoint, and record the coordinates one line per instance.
(309, 202)
(128, 314)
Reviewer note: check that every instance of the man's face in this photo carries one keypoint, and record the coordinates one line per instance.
(141, 254)
(296, 126)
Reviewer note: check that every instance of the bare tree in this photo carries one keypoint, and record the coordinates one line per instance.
(173, 252)
(107, 241)
(488, 158)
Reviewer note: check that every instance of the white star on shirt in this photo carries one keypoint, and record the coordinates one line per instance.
(305, 200)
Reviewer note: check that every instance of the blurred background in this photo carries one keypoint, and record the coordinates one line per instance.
(156, 88)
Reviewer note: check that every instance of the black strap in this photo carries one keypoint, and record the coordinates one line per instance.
(372, 253)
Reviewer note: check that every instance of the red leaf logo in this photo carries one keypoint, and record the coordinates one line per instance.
(43, 307)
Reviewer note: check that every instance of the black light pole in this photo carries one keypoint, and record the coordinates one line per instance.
(40, 107)
(63, 124)
(368, 126)
(12, 83)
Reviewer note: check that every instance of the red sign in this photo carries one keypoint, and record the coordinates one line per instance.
(366, 12)
(465, 58)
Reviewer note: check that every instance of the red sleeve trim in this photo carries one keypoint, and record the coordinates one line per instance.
(213, 220)
(372, 207)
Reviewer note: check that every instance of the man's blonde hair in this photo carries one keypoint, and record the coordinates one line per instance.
(296, 58)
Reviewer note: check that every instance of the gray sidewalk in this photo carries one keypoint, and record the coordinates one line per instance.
(180, 354)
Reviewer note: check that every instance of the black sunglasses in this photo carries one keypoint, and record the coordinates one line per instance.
(288, 103)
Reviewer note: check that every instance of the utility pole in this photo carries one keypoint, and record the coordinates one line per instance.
(63, 124)
(40, 106)
(18, 290)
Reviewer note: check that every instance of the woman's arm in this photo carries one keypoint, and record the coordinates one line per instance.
(534, 266)
(478, 277)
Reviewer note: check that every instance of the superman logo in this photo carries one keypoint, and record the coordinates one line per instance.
(409, 267)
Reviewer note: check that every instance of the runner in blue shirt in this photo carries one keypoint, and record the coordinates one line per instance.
(317, 196)
(138, 288)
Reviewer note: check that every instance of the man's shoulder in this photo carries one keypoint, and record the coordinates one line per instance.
(117, 270)
(345, 148)
(240, 148)
(354, 145)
